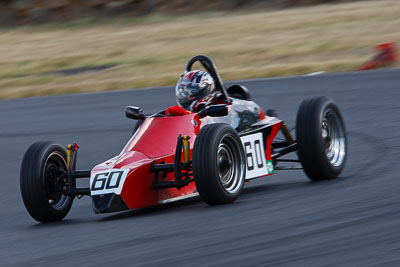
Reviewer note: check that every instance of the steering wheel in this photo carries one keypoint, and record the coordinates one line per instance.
(209, 65)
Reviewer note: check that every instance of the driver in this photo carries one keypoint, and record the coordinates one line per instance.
(192, 86)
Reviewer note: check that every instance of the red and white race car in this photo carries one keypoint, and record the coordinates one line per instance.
(211, 153)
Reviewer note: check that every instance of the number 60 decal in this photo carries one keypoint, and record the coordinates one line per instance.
(106, 182)
(253, 145)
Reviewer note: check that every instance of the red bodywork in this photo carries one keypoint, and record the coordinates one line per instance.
(155, 142)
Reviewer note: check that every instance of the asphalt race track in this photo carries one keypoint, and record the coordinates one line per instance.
(284, 220)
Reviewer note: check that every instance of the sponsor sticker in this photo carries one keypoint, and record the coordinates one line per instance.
(255, 156)
(270, 167)
(111, 181)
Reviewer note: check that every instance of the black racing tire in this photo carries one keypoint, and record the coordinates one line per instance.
(41, 182)
(321, 138)
(219, 166)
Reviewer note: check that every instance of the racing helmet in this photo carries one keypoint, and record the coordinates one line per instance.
(192, 86)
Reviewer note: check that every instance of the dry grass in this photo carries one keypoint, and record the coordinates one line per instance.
(153, 51)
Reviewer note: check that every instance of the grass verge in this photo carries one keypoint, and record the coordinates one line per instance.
(152, 51)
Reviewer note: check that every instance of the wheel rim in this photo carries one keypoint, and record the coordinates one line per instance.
(54, 167)
(333, 135)
(230, 165)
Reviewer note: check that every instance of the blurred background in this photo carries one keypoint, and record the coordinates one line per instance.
(68, 46)
(58, 47)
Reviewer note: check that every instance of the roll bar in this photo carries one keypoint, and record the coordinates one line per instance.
(209, 65)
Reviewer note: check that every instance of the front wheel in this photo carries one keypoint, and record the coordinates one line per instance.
(219, 166)
(321, 138)
(42, 182)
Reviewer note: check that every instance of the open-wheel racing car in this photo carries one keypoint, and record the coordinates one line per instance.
(227, 140)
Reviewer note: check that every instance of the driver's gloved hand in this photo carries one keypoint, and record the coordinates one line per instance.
(176, 111)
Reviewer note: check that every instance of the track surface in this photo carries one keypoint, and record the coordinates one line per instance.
(283, 220)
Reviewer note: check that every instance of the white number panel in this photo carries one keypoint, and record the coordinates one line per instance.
(110, 181)
(255, 155)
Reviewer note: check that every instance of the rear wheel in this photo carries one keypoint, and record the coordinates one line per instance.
(218, 164)
(321, 138)
(42, 183)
